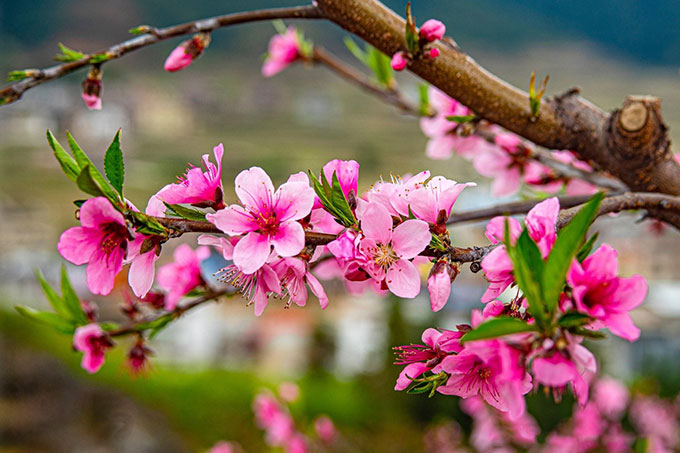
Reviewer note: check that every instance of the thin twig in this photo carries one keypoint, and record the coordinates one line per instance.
(153, 36)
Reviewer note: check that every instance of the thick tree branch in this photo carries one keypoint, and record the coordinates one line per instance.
(640, 157)
(39, 76)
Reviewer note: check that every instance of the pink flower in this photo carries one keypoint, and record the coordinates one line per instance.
(143, 253)
(283, 50)
(599, 292)
(325, 429)
(653, 418)
(439, 283)
(588, 423)
(390, 250)
(255, 287)
(506, 163)
(289, 391)
(611, 397)
(444, 106)
(575, 186)
(394, 196)
(92, 89)
(399, 61)
(421, 358)
(101, 242)
(266, 409)
(492, 370)
(266, 218)
(297, 444)
(434, 53)
(295, 276)
(347, 172)
(224, 447)
(571, 365)
(433, 201)
(93, 342)
(432, 30)
(183, 274)
(541, 223)
(201, 187)
(184, 54)
(92, 101)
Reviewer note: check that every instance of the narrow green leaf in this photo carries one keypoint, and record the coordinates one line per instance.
(147, 224)
(460, 119)
(46, 317)
(528, 268)
(355, 50)
(83, 160)
(381, 66)
(497, 327)
(165, 321)
(587, 248)
(109, 326)
(574, 319)
(77, 151)
(114, 167)
(424, 97)
(87, 184)
(99, 58)
(15, 76)
(641, 445)
(318, 189)
(340, 202)
(568, 243)
(67, 163)
(71, 300)
(67, 54)
(57, 303)
(186, 213)
(594, 334)
(280, 26)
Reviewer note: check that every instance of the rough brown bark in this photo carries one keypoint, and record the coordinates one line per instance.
(640, 158)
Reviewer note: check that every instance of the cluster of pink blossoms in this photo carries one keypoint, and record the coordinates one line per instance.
(506, 159)
(273, 416)
(502, 370)
(432, 30)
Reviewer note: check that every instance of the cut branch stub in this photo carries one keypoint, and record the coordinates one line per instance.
(637, 137)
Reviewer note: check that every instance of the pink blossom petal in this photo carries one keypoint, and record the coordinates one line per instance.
(141, 273)
(96, 211)
(254, 189)
(621, 325)
(102, 270)
(410, 238)
(233, 220)
(412, 370)
(289, 239)
(251, 252)
(403, 279)
(293, 201)
(77, 244)
(430, 336)
(318, 290)
(439, 287)
(376, 223)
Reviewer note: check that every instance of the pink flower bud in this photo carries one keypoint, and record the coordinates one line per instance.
(93, 342)
(439, 282)
(184, 54)
(91, 89)
(399, 61)
(434, 53)
(138, 358)
(325, 429)
(432, 30)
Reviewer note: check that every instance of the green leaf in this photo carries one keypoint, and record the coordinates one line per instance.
(87, 184)
(105, 188)
(186, 213)
(568, 243)
(594, 334)
(114, 167)
(15, 76)
(71, 300)
(48, 318)
(587, 248)
(381, 66)
(147, 224)
(280, 26)
(139, 30)
(355, 50)
(109, 326)
(641, 445)
(99, 58)
(57, 303)
(424, 104)
(67, 163)
(497, 327)
(574, 319)
(460, 119)
(68, 55)
(528, 268)
(340, 202)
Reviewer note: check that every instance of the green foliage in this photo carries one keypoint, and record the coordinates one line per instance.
(333, 199)
(67, 163)
(497, 327)
(114, 167)
(139, 30)
(528, 270)
(48, 318)
(68, 55)
(587, 248)
(424, 100)
(99, 58)
(460, 119)
(375, 60)
(535, 94)
(568, 243)
(146, 224)
(411, 32)
(184, 212)
(15, 76)
(573, 319)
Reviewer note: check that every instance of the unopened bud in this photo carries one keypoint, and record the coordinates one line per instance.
(189, 50)
(92, 87)
(399, 61)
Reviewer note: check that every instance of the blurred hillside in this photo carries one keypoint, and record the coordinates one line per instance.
(643, 31)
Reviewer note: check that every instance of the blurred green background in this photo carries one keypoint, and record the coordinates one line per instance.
(211, 363)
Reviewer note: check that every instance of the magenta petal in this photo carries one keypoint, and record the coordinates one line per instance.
(141, 273)
(77, 244)
(233, 220)
(96, 211)
(251, 252)
(376, 223)
(293, 201)
(318, 290)
(289, 239)
(439, 287)
(412, 370)
(255, 189)
(102, 270)
(554, 371)
(410, 238)
(430, 336)
(603, 264)
(403, 279)
(621, 325)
